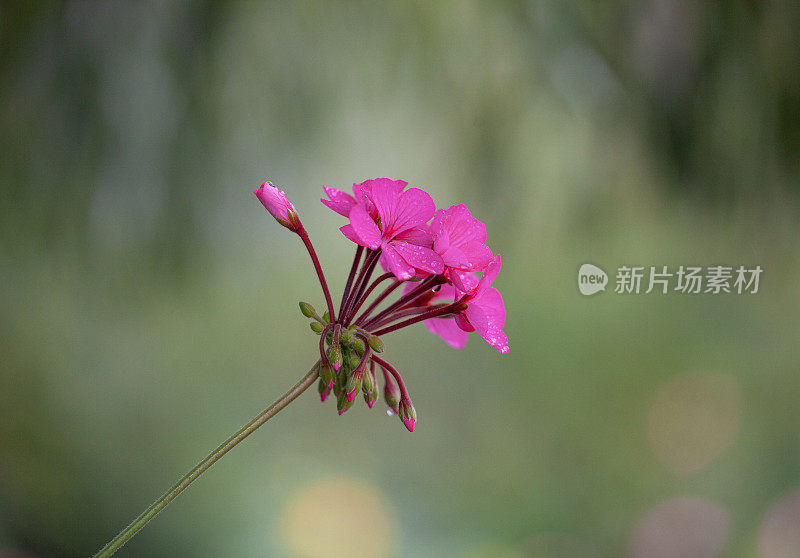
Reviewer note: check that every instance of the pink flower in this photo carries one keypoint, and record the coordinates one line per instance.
(460, 240)
(384, 215)
(485, 312)
(447, 328)
(278, 205)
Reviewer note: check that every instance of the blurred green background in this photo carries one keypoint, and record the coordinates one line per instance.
(148, 302)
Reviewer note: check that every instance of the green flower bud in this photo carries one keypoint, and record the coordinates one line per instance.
(376, 343)
(316, 327)
(391, 394)
(307, 310)
(326, 317)
(369, 381)
(353, 386)
(342, 403)
(327, 375)
(335, 357)
(358, 346)
(346, 337)
(370, 397)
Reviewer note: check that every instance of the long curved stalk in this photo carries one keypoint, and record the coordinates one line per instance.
(126, 534)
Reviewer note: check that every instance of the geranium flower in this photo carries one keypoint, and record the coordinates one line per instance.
(484, 312)
(460, 240)
(383, 215)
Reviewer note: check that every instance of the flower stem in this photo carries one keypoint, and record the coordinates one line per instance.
(406, 312)
(435, 313)
(315, 260)
(126, 534)
(358, 287)
(366, 294)
(424, 286)
(396, 283)
(349, 283)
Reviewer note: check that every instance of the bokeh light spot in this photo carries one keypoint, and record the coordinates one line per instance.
(683, 527)
(693, 419)
(339, 517)
(779, 535)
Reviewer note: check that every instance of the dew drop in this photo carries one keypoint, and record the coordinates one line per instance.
(389, 413)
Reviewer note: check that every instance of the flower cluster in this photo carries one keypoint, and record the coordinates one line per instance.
(438, 256)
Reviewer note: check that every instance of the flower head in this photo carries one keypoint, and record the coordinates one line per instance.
(440, 259)
(278, 205)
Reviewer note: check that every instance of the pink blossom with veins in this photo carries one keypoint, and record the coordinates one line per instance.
(485, 312)
(383, 214)
(342, 202)
(460, 239)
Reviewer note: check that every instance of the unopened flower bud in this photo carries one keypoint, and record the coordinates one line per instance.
(346, 337)
(375, 343)
(278, 205)
(324, 390)
(307, 310)
(327, 375)
(343, 404)
(316, 327)
(354, 361)
(335, 357)
(326, 317)
(353, 385)
(408, 414)
(391, 394)
(358, 346)
(370, 397)
(369, 381)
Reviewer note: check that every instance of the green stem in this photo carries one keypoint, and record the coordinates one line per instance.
(212, 458)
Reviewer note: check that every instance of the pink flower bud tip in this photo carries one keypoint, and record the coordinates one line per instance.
(341, 411)
(351, 395)
(371, 403)
(278, 205)
(409, 422)
(324, 395)
(336, 365)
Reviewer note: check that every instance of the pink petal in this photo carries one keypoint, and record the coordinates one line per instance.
(487, 314)
(463, 227)
(421, 236)
(340, 202)
(464, 281)
(415, 207)
(363, 191)
(420, 257)
(488, 276)
(392, 261)
(448, 330)
(462, 322)
(365, 227)
(350, 233)
(477, 254)
(385, 197)
(441, 241)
